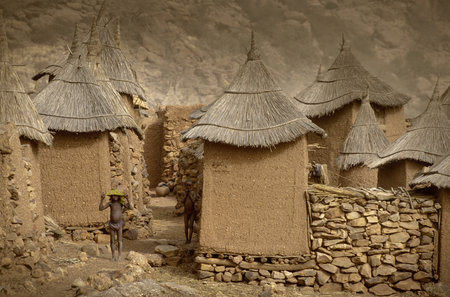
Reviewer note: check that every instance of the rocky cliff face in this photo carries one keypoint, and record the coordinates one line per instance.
(186, 52)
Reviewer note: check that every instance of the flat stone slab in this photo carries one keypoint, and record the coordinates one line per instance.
(167, 250)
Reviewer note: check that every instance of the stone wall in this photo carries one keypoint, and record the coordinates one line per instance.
(190, 166)
(361, 241)
(444, 242)
(129, 173)
(175, 119)
(23, 244)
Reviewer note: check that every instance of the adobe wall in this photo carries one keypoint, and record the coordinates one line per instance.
(378, 242)
(175, 119)
(394, 122)
(153, 144)
(359, 176)
(253, 200)
(398, 173)
(30, 150)
(444, 238)
(75, 171)
(337, 127)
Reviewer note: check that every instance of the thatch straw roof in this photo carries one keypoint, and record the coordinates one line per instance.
(15, 104)
(117, 67)
(252, 112)
(426, 140)
(364, 140)
(437, 175)
(94, 63)
(344, 82)
(446, 101)
(75, 102)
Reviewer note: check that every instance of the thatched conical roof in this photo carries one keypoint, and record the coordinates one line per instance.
(253, 111)
(15, 104)
(117, 67)
(74, 101)
(437, 175)
(344, 82)
(446, 102)
(94, 63)
(426, 140)
(364, 140)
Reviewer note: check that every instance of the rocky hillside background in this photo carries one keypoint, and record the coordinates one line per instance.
(187, 51)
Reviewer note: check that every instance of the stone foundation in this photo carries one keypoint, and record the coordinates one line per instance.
(361, 241)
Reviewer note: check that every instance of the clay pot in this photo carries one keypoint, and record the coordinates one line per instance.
(162, 191)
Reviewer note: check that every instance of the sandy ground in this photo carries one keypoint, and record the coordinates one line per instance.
(167, 228)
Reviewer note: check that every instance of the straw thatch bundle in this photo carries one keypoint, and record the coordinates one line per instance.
(426, 140)
(446, 102)
(117, 67)
(364, 140)
(15, 104)
(252, 112)
(438, 175)
(94, 63)
(344, 82)
(74, 101)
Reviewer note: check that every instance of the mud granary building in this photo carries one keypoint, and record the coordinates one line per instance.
(426, 140)
(96, 140)
(22, 135)
(332, 102)
(364, 141)
(437, 178)
(254, 174)
(26, 135)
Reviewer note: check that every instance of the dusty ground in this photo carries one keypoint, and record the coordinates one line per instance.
(167, 229)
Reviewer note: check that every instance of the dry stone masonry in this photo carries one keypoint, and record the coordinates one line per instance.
(362, 240)
(190, 167)
(24, 253)
(175, 120)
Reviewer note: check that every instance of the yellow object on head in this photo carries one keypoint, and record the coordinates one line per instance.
(115, 192)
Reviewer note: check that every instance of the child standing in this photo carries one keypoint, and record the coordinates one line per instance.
(118, 202)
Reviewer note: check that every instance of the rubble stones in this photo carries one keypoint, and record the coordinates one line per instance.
(358, 245)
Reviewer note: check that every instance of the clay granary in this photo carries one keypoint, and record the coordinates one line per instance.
(253, 135)
(364, 141)
(23, 134)
(437, 177)
(90, 123)
(332, 102)
(426, 140)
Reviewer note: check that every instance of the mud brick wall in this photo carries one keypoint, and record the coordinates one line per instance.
(361, 241)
